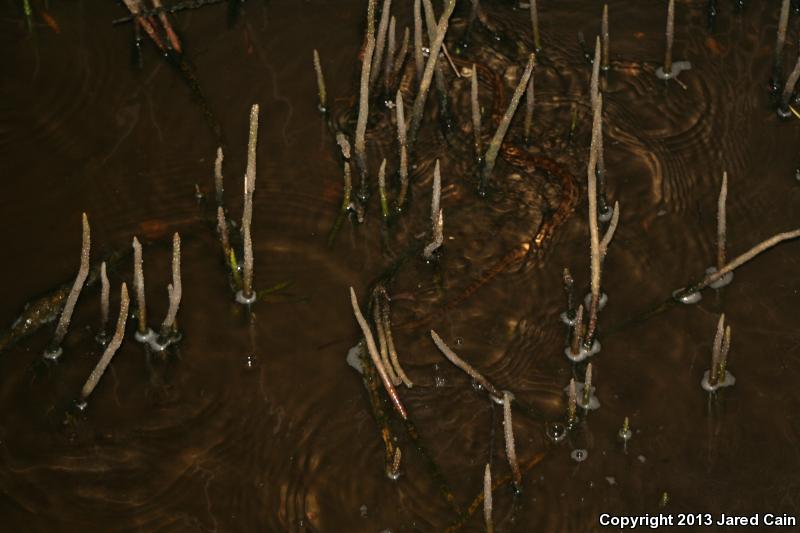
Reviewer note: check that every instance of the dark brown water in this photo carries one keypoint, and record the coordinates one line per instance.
(257, 423)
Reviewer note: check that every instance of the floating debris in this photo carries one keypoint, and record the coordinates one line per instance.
(54, 350)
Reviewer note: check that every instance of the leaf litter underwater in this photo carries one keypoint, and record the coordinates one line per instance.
(252, 419)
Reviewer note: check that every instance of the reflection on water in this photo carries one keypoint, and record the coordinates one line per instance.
(257, 422)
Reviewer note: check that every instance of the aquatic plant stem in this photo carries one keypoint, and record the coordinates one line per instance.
(321, 92)
(373, 352)
(111, 349)
(721, 221)
(505, 122)
(427, 75)
(54, 349)
(363, 105)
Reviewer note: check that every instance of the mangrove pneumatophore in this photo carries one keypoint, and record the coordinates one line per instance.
(54, 350)
(511, 449)
(376, 359)
(247, 295)
(169, 329)
(721, 236)
(487, 498)
(111, 349)
(537, 40)
(691, 294)
(718, 376)
(606, 42)
(380, 43)
(493, 392)
(502, 128)
(143, 333)
(777, 65)
(377, 306)
(384, 319)
(363, 104)
(401, 141)
(104, 296)
(437, 216)
(219, 188)
(419, 60)
(788, 90)
(529, 102)
(323, 98)
(476, 115)
(427, 75)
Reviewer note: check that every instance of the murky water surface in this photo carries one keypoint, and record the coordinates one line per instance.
(256, 422)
